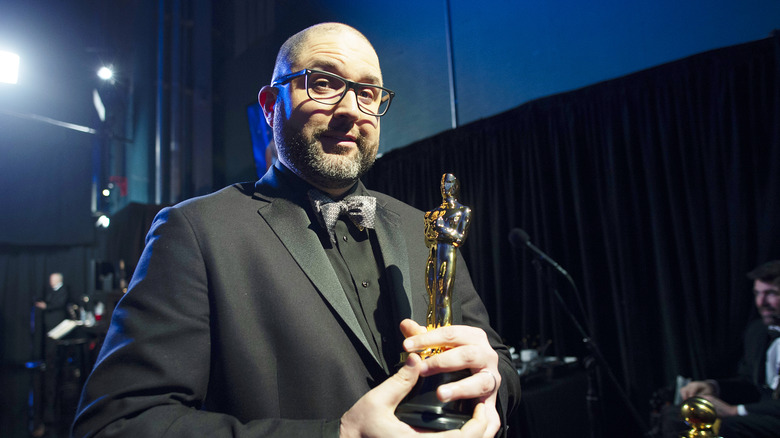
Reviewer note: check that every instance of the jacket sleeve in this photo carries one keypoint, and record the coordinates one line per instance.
(152, 374)
(743, 387)
(764, 407)
(474, 314)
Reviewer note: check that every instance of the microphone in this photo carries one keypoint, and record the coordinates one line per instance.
(518, 238)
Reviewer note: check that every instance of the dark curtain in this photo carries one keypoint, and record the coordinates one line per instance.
(657, 191)
(24, 273)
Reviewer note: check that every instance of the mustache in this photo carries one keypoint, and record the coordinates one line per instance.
(360, 140)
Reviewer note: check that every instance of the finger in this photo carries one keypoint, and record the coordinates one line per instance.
(690, 391)
(478, 423)
(479, 385)
(471, 357)
(450, 336)
(712, 399)
(411, 328)
(399, 384)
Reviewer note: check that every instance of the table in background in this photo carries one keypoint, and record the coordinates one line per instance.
(552, 403)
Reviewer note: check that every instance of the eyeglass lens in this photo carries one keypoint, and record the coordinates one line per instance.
(329, 89)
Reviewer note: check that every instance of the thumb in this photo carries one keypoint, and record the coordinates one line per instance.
(399, 384)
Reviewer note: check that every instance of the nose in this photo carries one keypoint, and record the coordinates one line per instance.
(348, 107)
(760, 299)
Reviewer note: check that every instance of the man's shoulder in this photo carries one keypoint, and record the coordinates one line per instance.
(231, 194)
(228, 202)
(755, 327)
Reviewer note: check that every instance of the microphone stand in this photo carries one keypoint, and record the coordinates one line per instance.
(593, 364)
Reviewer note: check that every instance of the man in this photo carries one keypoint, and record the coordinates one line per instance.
(250, 314)
(52, 309)
(755, 388)
(53, 304)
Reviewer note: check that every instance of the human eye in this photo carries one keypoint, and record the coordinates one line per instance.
(324, 84)
(368, 94)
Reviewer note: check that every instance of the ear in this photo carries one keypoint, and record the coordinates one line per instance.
(267, 100)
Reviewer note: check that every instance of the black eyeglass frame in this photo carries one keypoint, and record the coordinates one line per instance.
(350, 85)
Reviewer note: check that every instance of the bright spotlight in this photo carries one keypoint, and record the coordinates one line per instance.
(9, 67)
(103, 222)
(105, 73)
(106, 193)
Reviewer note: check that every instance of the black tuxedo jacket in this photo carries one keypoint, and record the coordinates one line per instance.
(749, 386)
(236, 324)
(57, 302)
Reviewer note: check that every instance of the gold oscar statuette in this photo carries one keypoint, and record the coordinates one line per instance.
(446, 228)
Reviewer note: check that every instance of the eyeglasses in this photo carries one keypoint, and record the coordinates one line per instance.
(330, 89)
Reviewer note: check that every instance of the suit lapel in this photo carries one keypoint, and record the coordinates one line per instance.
(292, 226)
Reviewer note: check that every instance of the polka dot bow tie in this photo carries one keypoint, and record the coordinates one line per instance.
(361, 210)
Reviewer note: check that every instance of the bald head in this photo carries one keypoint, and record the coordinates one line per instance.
(55, 280)
(291, 50)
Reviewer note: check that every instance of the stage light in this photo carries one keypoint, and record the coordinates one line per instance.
(99, 107)
(9, 67)
(107, 190)
(103, 222)
(105, 73)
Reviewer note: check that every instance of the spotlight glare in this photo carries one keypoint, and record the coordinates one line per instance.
(106, 193)
(99, 107)
(105, 73)
(103, 222)
(9, 67)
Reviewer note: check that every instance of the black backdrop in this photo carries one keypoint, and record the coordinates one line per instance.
(657, 191)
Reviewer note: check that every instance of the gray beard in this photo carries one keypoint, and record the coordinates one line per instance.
(308, 160)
